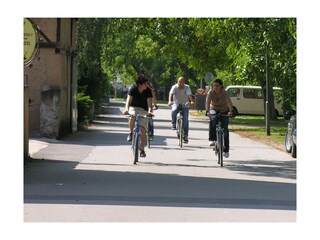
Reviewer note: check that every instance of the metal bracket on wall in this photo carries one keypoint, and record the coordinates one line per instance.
(45, 42)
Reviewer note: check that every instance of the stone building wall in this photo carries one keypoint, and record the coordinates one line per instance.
(50, 79)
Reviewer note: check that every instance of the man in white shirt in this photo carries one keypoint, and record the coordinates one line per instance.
(179, 95)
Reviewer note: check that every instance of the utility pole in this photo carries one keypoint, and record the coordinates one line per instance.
(267, 92)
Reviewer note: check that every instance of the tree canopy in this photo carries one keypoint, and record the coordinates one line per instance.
(234, 49)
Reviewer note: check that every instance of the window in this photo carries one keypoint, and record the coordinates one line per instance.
(234, 92)
(252, 93)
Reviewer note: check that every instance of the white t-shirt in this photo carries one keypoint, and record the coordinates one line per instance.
(180, 96)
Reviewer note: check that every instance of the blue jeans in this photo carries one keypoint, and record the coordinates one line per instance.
(185, 114)
(224, 125)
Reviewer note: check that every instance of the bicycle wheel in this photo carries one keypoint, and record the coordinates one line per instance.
(220, 148)
(136, 148)
(180, 131)
(148, 134)
(148, 140)
(217, 149)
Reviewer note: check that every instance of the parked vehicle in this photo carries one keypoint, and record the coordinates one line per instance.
(249, 100)
(291, 134)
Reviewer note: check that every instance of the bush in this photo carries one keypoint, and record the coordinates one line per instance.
(85, 104)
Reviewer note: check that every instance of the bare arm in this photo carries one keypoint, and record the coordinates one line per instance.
(170, 99)
(128, 103)
(230, 106)
(208, 99)
(149, 100)
(154, 99)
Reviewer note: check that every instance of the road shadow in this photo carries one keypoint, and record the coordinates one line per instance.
(262, 167)
(60, 182)
(59, 179)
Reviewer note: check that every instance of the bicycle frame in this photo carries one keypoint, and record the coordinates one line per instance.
(180, 131)
(136, 137)
(136, 140)
(219, 146)
(180, 119)
(220, 141)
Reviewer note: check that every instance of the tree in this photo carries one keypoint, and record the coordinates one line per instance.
(92, 80)
(165, 48)
(248, 48)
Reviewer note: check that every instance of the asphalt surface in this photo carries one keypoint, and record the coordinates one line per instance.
(89, 177)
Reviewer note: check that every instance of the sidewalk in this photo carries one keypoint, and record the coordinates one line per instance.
(94, 169)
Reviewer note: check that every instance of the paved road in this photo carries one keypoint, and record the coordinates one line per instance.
(89, 176)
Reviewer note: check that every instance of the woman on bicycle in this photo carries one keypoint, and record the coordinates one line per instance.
(219, 101)
(139, 101)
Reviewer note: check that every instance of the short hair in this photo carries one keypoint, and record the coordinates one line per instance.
(182, 78)
(141, 80)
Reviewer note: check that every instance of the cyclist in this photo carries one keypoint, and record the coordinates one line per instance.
(139, 101)
(180, 93)
(219, 101)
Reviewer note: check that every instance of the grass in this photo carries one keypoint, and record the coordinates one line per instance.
(254, 127)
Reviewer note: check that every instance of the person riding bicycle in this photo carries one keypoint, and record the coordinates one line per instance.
(219, 101)
(139, 101)
(180, 94)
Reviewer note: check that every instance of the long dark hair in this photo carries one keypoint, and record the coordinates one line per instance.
(218, 81)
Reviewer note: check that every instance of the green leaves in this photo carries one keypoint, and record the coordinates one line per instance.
(163, 48)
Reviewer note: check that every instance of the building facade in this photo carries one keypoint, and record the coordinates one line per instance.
(51, 80)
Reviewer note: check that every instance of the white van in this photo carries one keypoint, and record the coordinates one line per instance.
(249, 99)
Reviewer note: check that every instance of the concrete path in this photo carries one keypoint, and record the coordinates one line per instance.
(89, 176)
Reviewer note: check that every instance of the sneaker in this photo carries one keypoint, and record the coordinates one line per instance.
(129, 138)
(185, 139)
(174, 127)
(226, 154)
(212, 143)
(142, 153)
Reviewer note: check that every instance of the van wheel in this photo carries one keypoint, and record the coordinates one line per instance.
(288, 143)
(235, 112)
(294, 151)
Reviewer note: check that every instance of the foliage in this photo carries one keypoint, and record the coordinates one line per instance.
(91, 78)
(84, 107)
(253, 40)
(235, 49)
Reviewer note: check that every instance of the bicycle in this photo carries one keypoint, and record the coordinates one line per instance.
(149, 133)
(179, 126)
(219, 145)
(136, 137)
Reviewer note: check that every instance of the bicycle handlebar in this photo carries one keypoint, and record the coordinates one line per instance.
(223, 115)
(140, 115)
(187, 104)
(219, 115)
